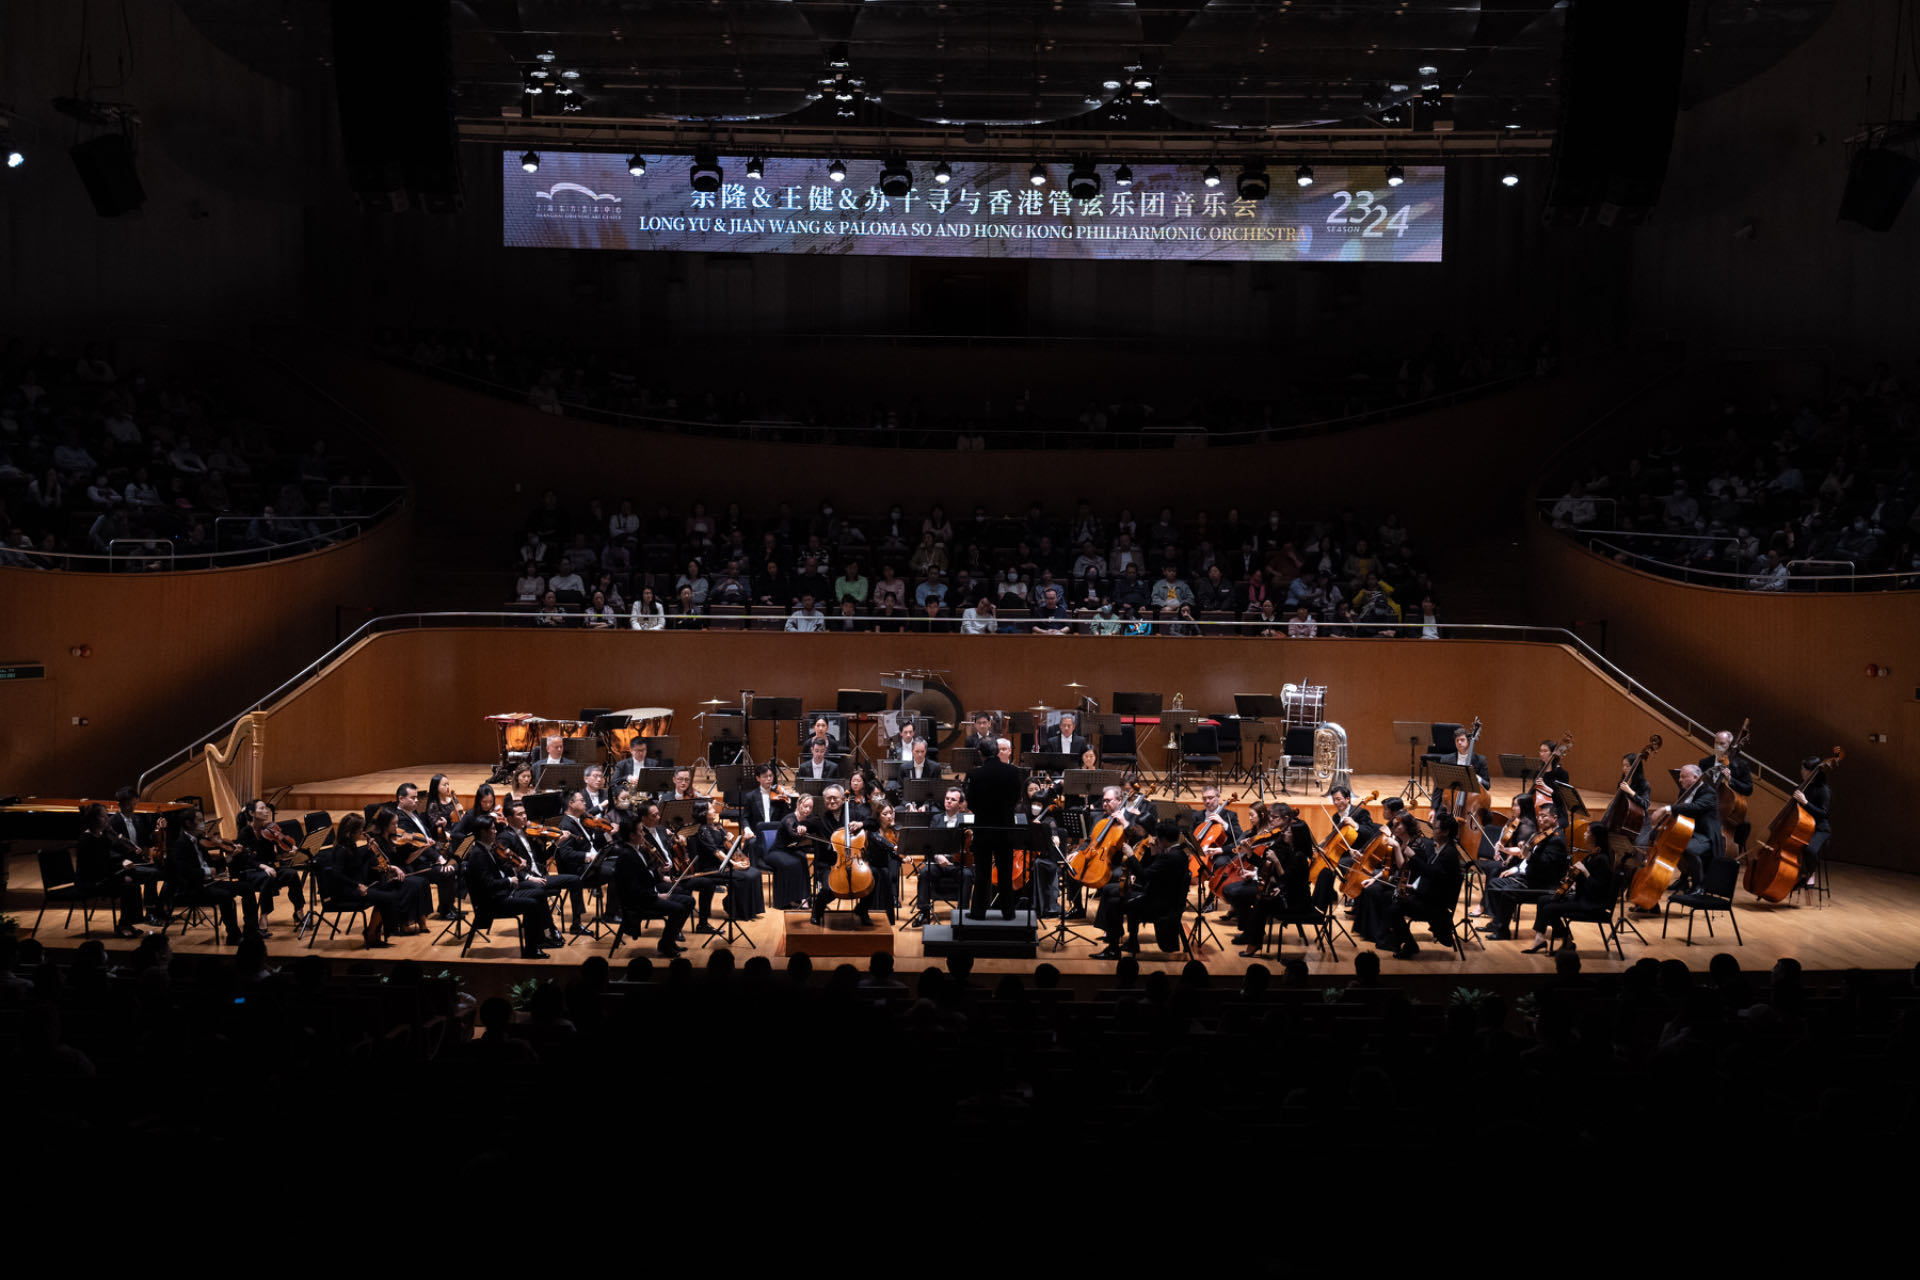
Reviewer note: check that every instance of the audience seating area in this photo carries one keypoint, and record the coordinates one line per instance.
(1104, 572)
(117, 1045)
(106, 467)
(1770, 496)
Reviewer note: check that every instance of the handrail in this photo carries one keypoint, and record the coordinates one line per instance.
(30, 558)
(1454, 630)
(1585, 532)
(162, 550)
(1686, 573)
(1546, 505)
(1161, 434)
(336, 521)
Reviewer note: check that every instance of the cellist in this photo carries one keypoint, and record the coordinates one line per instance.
(836, 819)
(1282, 884)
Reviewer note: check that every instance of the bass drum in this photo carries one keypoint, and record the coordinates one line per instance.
(940, 705)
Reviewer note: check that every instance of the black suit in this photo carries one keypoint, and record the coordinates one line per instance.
(257, 866)
(1434, 876)
(1159, 890)
(427, 863)
(145, 872)
(571, 857)
(1740, 780)
(190, 883)
(1074, 746)
(1545, 867)
(627, 773)
(994, 791)
(1819, 802)
(643, 893)
(97, 867)
(828, 769)
(1702, 804)
(497, 892)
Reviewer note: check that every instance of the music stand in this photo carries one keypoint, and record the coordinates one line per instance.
(1142, 711)
(916, 818)
(679, 813)
(728, 732)
(776, 710)
(542, 805)
(861, 706)
(654, 779)
(926, 843)
(1177, 724)
(927, 791)
(1411, 732)
(1568, 797)
(1253, 711)
(1091, 782)
(1050, 762)
(730, 777)
(814, 786)
(887, 772)
(960, 759)
(565, 777)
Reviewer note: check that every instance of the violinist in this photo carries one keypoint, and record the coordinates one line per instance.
(836, 819)
(682, 788)
(442, 805)
(513, 843)
(257, 865)
(503, 886)
(485, 805)
(1508, 850)
(574, 854)
(940, 876)
(103, 863)
(1537, 876)
(1039, 808)
(788, 855)
(761, 808)
(351, 878)
(644, 873)
(627, 772)
(593, 785)
(1699, 799)
(1735, 775)
(1815, 795)
(1155, 888)
(416, 897)
(883, 855)
(1281, 885)
(1586, 893)
(712, 871)
(428, 863)
(1429, 883)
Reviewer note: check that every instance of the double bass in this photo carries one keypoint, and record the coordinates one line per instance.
(1625, 815)
(1773, 868)
(1664, 854)
(1733, 805)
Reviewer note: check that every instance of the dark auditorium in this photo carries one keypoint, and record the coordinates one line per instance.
(573, 567)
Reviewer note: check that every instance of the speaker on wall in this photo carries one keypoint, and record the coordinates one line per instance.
(1878, 183)
(106, 167)
(1619, 95)
(393, 77)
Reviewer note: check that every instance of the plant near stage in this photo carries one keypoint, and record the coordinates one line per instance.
(1472, 996)
(522, 992)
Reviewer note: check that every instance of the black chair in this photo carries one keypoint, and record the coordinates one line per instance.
(480, 925)
(332, 911)
(1318, 913)
(1715, 893)
(316, 821)
(1227, 742)
(1603, 918)
(1200, 750)
(1296, 755)
(1120, 750)
(58, 883)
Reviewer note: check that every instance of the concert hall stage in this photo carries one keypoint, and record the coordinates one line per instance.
(1866, 924)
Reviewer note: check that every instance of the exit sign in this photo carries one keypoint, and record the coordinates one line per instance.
(23, 671)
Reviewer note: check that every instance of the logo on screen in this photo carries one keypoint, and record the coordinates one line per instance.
(571, 200)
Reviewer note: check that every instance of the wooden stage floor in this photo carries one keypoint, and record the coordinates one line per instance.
(1872, 920)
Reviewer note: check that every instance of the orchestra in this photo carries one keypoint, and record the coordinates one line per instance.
(839, 849)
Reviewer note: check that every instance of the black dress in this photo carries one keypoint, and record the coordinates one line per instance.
(788, 860)
(353, 867)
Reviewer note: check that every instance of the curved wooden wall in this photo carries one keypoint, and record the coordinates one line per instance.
(1795, 663)
(172, 654)
(418, 696)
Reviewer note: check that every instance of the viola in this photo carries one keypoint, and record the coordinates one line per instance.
(1774, 867)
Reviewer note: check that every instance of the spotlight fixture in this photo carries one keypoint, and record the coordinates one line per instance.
(1253, 183)
(15, 156)
(943, 173)
(1038, 174)
(1395, 175)
(1303, 176)
(895, 178)
(1110, 84)
(1429, 70)
(1212, 176)
(532, 87)
(1123, 176)
(637, 165)
(1510, 178)
(545, 56)
(705, 173)
(837, 171)
(530, 161)
(756, 168)
(1084, 182)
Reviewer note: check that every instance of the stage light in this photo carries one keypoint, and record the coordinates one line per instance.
(756, 168)
(1395, 175)
(1429, 70)
(15, 158)
(1212, 176)
(943, 173)
(1037, 175)
(895, 178)
(1253, 183)
(1303, 176)
(546, 56)
(532, 87)
(1510, 179)
(1123, 176)
(1110, 84)
(637, 165)
(530, 161)
(837, 171)
(705, 172)
(1083, 183)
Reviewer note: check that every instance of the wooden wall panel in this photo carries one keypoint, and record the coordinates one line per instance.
(1795, 663)
(413, 697)
(172, 654)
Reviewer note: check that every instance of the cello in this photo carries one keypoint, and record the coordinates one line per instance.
(850, 877)
(1774, 866)
(1327, 854)
(1092, 863)
(1208, 836)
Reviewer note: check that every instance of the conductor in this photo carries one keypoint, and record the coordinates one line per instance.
(994, 791)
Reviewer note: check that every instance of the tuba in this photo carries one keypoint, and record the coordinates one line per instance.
(1330, 767)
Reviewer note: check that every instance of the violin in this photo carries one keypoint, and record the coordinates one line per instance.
(158, 853)
(410, 840)
(545, 833)
(594, 823)
(277, 836)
